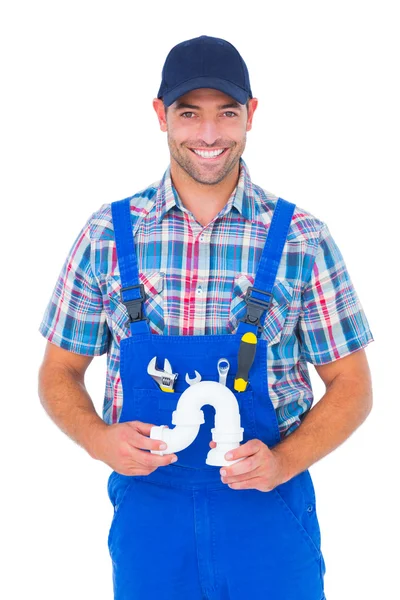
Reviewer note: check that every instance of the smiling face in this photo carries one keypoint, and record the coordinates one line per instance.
(206, 133)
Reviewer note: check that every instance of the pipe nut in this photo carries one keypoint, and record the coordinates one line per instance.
(222, 437)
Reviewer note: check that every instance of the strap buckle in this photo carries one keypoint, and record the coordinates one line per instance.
(135, 307)
(256, 307)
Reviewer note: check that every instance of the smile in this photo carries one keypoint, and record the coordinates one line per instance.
(209, 154)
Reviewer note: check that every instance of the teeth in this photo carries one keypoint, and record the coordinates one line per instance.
(208, 154)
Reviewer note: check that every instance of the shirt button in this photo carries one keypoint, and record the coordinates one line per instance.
(202, 238)
(199, 290)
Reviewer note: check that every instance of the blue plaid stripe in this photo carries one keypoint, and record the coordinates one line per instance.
(196, 279)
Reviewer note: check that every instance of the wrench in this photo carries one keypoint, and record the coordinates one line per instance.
(164, 378)
(223, 368)
(193, 381)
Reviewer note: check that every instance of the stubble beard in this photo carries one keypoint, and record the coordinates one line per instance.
(200, 174)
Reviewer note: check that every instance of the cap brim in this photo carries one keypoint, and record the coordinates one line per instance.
(238, 93)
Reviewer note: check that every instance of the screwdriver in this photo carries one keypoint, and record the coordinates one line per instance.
(247, 351)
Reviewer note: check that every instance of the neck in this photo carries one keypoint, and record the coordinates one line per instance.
(202, 200)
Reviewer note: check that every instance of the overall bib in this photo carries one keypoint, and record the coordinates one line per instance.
(179, 533)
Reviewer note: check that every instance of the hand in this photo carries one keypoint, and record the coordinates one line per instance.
(123, 446)
(260, 469)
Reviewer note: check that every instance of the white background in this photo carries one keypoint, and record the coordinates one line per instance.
(78, 129)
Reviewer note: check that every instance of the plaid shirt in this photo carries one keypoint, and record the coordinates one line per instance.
(195, 280)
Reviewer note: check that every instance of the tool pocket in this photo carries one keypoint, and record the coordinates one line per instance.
(153, 283)
(296, 498)
(152, 406)
(247, 418)
(118, 487)
(275, 318)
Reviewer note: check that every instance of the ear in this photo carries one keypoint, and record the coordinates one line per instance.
(253, 103)
(158, 106)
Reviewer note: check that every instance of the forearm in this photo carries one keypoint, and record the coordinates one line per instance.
(65, 399)
(344, 406)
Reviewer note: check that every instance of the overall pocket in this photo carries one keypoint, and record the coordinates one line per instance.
(296, 498)
(118, 487)
(154, 406)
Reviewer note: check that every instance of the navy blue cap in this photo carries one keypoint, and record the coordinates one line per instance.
(204, 62)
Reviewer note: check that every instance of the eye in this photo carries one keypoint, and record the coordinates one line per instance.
(228, 112)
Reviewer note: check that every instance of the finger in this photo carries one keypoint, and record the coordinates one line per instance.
(247, 449)
(143, 428)
(246, 484)
(142, 441)
(152, 461)
(140, 444)
(241, 468)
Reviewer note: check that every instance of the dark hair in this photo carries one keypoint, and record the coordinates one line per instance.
(247, 106)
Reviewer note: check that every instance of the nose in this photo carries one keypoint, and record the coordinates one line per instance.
(208, 131)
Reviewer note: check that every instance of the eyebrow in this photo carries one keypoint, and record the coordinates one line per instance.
(181, 105)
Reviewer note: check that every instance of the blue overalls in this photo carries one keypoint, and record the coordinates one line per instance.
(179, 533)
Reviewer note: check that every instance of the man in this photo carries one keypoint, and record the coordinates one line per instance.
(185, 271)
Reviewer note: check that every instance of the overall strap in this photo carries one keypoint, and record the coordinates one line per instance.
(132, 291)
(259, 296)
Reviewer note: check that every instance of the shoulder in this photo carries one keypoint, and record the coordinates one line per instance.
(100, 223)
(304, 227)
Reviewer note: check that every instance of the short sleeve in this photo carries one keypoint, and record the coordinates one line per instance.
(74, 318)
(332, 323)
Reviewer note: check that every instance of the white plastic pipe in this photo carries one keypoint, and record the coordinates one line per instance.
(188, 416)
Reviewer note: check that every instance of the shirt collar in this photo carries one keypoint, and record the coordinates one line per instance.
(243, 198)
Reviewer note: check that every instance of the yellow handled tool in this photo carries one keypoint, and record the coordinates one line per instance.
(164, 378)
(247, 351)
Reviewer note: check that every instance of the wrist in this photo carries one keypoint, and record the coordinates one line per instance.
(285, 464)
(95, 438)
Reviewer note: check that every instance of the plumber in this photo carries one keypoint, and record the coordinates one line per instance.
(182, 271)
